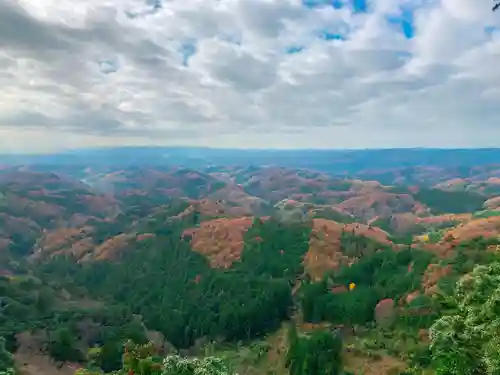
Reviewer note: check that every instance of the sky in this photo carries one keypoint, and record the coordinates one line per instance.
(249, 73)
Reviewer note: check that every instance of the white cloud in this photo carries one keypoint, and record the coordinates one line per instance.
(109, 72)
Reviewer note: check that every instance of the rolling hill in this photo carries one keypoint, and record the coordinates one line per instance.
(201, 259)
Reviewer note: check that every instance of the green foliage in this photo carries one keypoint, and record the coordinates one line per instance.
(391, 273)
(470, 253)
(485, 214)
(62, 346)
(217, 185)
(317, 354)
(175, 365)
(377, 275)
(406, 236)
(6, 359)
(22, 244)
(383, 223)
(435, 236)
(450, 201)
(466, 341)
(274, 249)
(159, 206)
(29, 304)
(177, 293)
(355, 246)
(141, 360)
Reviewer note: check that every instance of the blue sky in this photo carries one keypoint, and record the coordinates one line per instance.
(252, 73)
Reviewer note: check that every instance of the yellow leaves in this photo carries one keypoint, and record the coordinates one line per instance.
(83, 371)
(94, 352)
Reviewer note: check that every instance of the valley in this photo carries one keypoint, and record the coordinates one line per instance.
(260, 266)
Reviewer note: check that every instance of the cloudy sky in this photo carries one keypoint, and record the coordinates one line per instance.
(249, 73)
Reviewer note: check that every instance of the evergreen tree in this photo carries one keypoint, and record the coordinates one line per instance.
(317, 354)
(6, 359)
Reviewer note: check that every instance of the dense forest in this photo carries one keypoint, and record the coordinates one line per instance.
(170, 289)
(176, 293)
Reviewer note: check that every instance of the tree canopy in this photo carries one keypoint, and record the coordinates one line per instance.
(467, 341)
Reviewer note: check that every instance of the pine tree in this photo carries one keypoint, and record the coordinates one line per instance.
(6, 359)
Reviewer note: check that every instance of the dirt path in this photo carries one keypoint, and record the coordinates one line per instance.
(276, 357)
(30, 359)
(385, 365)
(37, 364)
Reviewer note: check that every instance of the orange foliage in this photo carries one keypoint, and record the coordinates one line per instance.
(380, 204)
(492, 203)
(236, 201)
(325, 253)
(79, 243)
(112, 248)
(100, 204)
(485, 227)
(277, 183)
(11, 224)
(82, 247)
(438, 219)
(63, 240)
(452, 184)
(221, 240)
(37, 209)
(411, 297)
(210, 208)
(432, 275)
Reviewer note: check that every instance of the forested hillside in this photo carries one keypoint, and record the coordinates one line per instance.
(244, 270)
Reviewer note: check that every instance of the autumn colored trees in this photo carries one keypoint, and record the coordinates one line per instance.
(177, 293)
(378, 275)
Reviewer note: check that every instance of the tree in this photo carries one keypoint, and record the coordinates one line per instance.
(324, 355)
(176, 365)
(141, 360)
(294, 358)
(467, 342)
(63, 347)
(6, 360)
(318, 354)
(496, 6)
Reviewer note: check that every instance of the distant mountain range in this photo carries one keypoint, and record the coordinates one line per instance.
(329, 161)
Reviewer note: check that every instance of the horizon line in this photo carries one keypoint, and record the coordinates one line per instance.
(248, 149)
